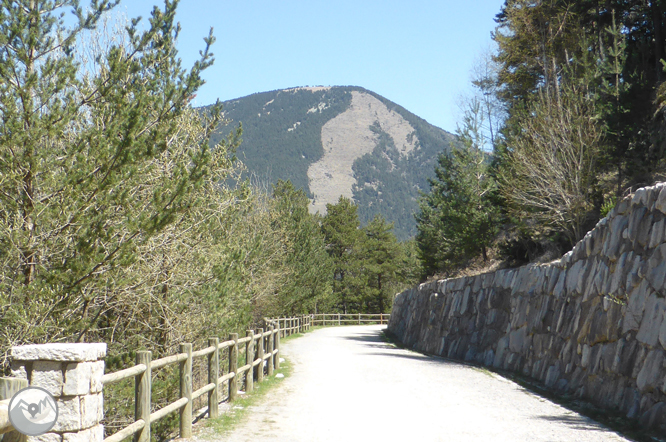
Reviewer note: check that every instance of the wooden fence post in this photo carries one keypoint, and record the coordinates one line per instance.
(249, 359)
(270, 350)
(381, 318)
(277, 347)
(142, 396)
(186, 391)
(213, 375)
(359, 319)
(260, 355)
(233, 366)
(338, 318)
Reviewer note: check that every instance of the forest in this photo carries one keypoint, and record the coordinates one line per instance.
(567, 117)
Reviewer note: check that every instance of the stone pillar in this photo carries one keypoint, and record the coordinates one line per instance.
(72, 373)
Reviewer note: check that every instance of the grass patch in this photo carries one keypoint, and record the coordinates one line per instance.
(484, 370)
(239, 408)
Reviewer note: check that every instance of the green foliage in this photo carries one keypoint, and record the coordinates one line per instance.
(309, 279)
(607, 206)
(381, 265)
(369, 264)
(617, 58)
(341, 229)
(457, 218)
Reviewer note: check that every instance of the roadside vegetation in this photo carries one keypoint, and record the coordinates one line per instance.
(566, 118)
(119, 223)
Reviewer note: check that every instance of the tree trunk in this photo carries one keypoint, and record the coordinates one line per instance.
(381, 297)
(658, 44)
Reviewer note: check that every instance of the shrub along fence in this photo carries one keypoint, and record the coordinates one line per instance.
(68, 372)
(74, 375)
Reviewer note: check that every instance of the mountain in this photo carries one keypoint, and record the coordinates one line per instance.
(335, 141)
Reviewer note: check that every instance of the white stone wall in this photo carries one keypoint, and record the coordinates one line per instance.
(72, 373)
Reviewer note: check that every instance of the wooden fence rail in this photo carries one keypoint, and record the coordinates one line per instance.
(349, 319)
(267, 356)
(262, 353)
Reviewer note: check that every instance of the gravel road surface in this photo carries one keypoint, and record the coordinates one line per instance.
(348, 385)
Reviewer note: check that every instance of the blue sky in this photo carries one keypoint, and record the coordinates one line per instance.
(416, 53)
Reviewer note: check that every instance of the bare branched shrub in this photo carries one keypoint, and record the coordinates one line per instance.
(552, 160)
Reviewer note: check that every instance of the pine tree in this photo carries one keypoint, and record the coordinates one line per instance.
(341, 228)
(309, 267)
(456, 220)
(381, 264)
(89, 168)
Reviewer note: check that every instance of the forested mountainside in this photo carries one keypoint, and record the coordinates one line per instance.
(334, 141)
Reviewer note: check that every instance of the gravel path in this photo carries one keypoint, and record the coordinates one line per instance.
(348, 385)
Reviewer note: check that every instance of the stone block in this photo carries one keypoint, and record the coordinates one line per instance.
(635, 222)
(649, 378)
(552, 375)
(94, 434)
(100, 407)
(596, 281)
(656, 268)
(635, 307)
(59, 352)
(69, 415)
(48, 437)
(560, 286)
(656, 234)
(574, 275)
(618, 276)
(502, 347)
(631, 403)
(77, 378)
(587, 352)
(612, 243)
(90, 410)
(18, 370)
(660, 204)
(617, 358)
(518, 340)
(654, 416)
(653, 317)
(632, 279)
(640, 197)
(96, 375)
(48, 375)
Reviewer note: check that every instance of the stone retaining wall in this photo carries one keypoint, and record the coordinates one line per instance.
(591, 324)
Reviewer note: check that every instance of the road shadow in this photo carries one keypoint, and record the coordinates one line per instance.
(577, 422)
(584, 417)
(378, 340)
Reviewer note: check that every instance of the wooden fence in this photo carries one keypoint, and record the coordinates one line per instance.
(295, 324)
(326, 319)
(260, 346)
(262, 350)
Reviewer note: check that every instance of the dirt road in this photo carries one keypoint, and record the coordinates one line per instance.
(348, 385)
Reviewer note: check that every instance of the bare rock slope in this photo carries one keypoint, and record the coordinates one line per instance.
(334, 141)
(348, 137)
